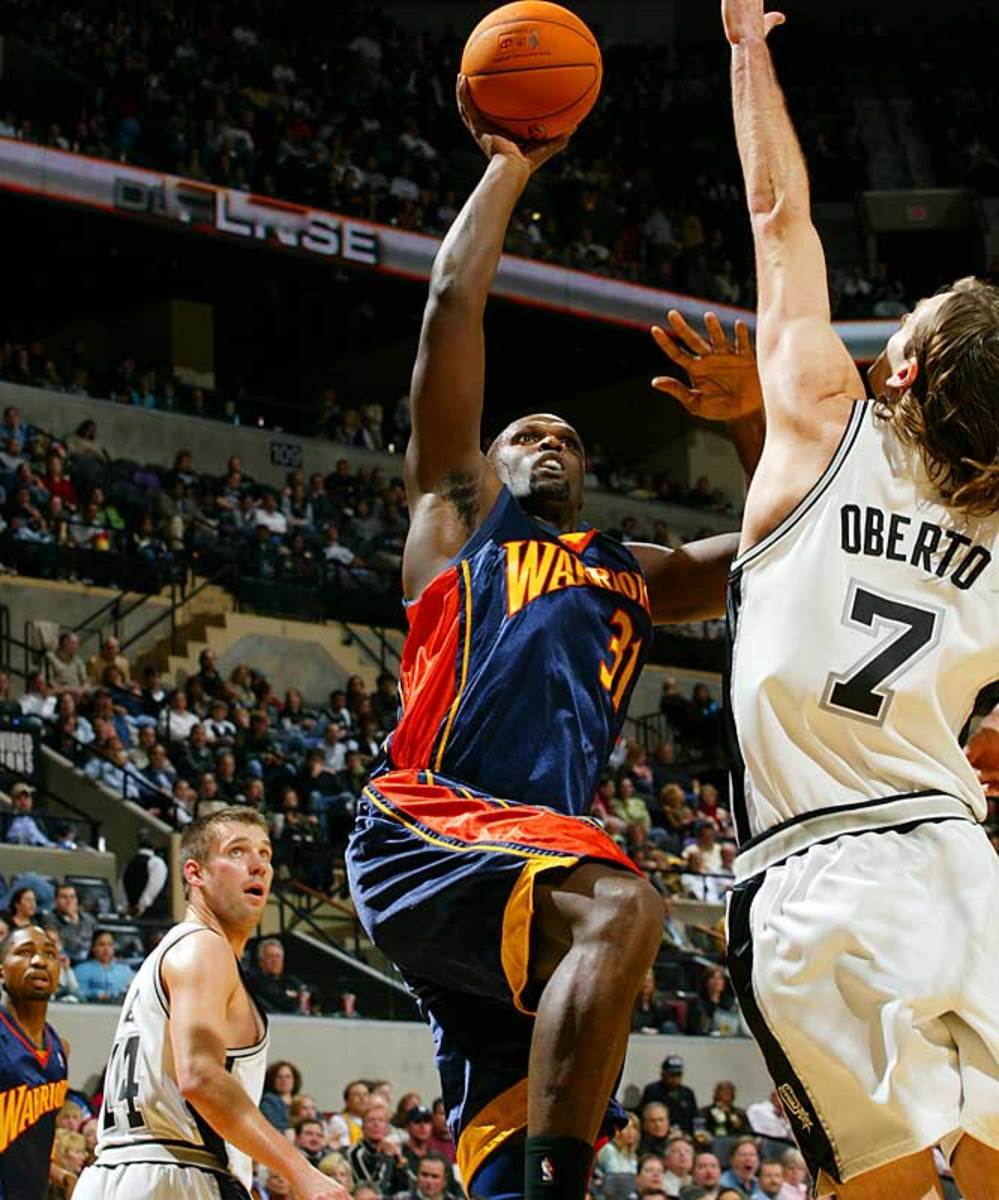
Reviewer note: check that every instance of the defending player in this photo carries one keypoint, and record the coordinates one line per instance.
(32, 1068)
(523, 929)
(183, 1082)
(862, 936)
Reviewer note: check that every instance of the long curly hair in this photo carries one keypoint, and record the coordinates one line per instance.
(951, 412)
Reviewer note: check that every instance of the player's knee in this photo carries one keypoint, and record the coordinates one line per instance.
(629, 916)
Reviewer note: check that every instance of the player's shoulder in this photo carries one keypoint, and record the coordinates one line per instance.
(198, 953)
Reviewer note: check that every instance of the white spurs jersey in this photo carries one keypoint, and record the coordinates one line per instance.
(144, 1118)
(861, 631)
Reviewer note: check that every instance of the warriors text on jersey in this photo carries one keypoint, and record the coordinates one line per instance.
(144, 1118)
(863, 628)
(32, 1090)
(520, 661)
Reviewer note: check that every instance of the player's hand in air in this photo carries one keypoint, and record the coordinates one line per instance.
(745, 19)
(983, 753)
(724, 381)
(492, 140)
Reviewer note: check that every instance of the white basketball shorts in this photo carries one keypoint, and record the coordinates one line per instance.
(156, 1181)
(867, 969)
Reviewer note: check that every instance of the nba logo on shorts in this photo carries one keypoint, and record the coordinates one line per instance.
(547, 1170)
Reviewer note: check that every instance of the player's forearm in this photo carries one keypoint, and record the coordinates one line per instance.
(466, 263)
(772, 162)
(224, 1104)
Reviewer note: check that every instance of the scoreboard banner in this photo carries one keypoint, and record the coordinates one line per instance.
(142, 194)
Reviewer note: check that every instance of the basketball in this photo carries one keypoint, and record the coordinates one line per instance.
(533, 68)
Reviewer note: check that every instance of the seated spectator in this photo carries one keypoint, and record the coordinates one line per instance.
(650, 1014)
(38, 700)
(676, 815)
(145, 743)
(721, 1117)
(795, 1176)
(706, 841)
(669, 1089)
(376, 1159)
(193, 757)
(101, 977)
(110, 655)
(441, 1140)
(705, 1178)
(69, 988)
(65, 669)
(154, 694)
(113, 769)
(310, 1138)
(743, 1164)
(713, 1011)
(69, 1152)
(346, 1127)
(24, 829)
(57, 483)
(282, 1082)
(417, 1150)
(176, 722)
(679, 1163)
(768, 1119)
(650, 1178)
(655, 1130)
(23, 909)
(620, 1155)
(771, 1179)
(273, 990)
(430, 1180)
(75, 927)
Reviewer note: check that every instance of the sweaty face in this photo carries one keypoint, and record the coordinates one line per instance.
(236, 880)
(31, 965)
(541, 458)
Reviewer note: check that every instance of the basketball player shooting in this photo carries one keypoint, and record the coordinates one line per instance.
(521, 927)
(180, 1115)
(862, 934)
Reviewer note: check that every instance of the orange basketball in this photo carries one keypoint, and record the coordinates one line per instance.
(534, 69)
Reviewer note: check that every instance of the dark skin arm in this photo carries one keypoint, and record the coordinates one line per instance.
(450, 484)
(689, 584)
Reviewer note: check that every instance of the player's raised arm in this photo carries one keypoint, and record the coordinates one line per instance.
(444, 459)
(200, 981)
(803, 362)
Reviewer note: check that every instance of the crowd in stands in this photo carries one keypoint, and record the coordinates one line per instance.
(381, 1148)
(359, 118)
(67, 510)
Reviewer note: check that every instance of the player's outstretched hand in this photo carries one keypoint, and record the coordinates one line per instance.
(983, 754)
(492, 141)
(724, 381)
(314, 1185)
(745, 19)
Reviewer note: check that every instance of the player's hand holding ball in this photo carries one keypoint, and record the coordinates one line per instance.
(494, 141)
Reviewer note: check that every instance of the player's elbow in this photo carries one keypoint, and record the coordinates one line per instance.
(195, 1079)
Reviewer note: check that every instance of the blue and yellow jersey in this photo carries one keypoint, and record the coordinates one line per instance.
(32, 1090)
(520, 661)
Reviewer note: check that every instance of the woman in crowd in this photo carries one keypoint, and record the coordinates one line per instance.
(24, 908)
(620, 1156)
(336, 1167)
(650, 1013)
(721, 1117)
(713, 1010)
(282, 1083)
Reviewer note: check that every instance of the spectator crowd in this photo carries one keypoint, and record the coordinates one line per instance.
(359, 118)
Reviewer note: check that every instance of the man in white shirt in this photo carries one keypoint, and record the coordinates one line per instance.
(38, 700)
(767, 1118)
(270, 516)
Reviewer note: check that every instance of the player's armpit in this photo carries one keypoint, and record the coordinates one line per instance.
(688, 584)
